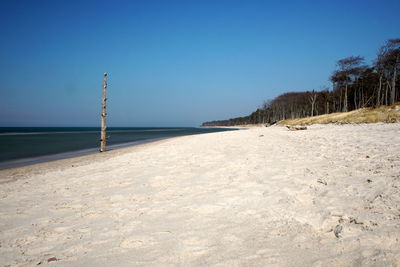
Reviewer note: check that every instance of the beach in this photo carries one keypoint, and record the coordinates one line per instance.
(20, 146)
(263, 196)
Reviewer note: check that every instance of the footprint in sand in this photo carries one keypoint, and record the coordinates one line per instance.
(60, 229)
(37, 251)
(207, 209)
(136, 242)
(92, 215)
(131, 243)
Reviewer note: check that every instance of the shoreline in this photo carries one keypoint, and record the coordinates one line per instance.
(328, 195)
(71, 154)
(17, 172)
(10, 174)
(20, 162)
(76, 158)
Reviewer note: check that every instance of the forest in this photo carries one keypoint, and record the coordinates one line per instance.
(355, 84)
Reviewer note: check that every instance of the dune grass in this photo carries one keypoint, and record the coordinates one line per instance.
(363, 115)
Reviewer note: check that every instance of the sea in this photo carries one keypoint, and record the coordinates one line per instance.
(28, 145)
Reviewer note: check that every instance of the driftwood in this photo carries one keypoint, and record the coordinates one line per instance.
(296, 128)
(338, 229)
(270, 123)
(103, 139)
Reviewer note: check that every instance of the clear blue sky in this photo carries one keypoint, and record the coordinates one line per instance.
(174, 63)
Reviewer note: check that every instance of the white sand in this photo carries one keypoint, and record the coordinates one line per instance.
(257, 197)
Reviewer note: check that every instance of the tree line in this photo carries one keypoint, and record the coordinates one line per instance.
(354, 85)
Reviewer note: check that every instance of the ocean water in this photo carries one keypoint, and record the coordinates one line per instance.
(26, 145)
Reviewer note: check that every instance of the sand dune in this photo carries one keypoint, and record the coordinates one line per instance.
(329, 195)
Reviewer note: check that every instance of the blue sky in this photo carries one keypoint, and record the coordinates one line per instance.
(174, 63)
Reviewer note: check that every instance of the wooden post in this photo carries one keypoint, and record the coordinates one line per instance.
(103, 139)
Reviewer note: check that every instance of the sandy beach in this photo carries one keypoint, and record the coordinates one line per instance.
(326, 196)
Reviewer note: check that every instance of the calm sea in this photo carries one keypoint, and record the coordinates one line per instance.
(27, 145)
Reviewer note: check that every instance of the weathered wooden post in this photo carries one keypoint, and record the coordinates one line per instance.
(103, 139)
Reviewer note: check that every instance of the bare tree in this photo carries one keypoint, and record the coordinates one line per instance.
(388, 63)
(349, 69)
(312, 97)
(103, 139)
(326, 95)
(379, 66)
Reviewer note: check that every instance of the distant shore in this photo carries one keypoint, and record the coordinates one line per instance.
(387, 114)
(264, 196)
